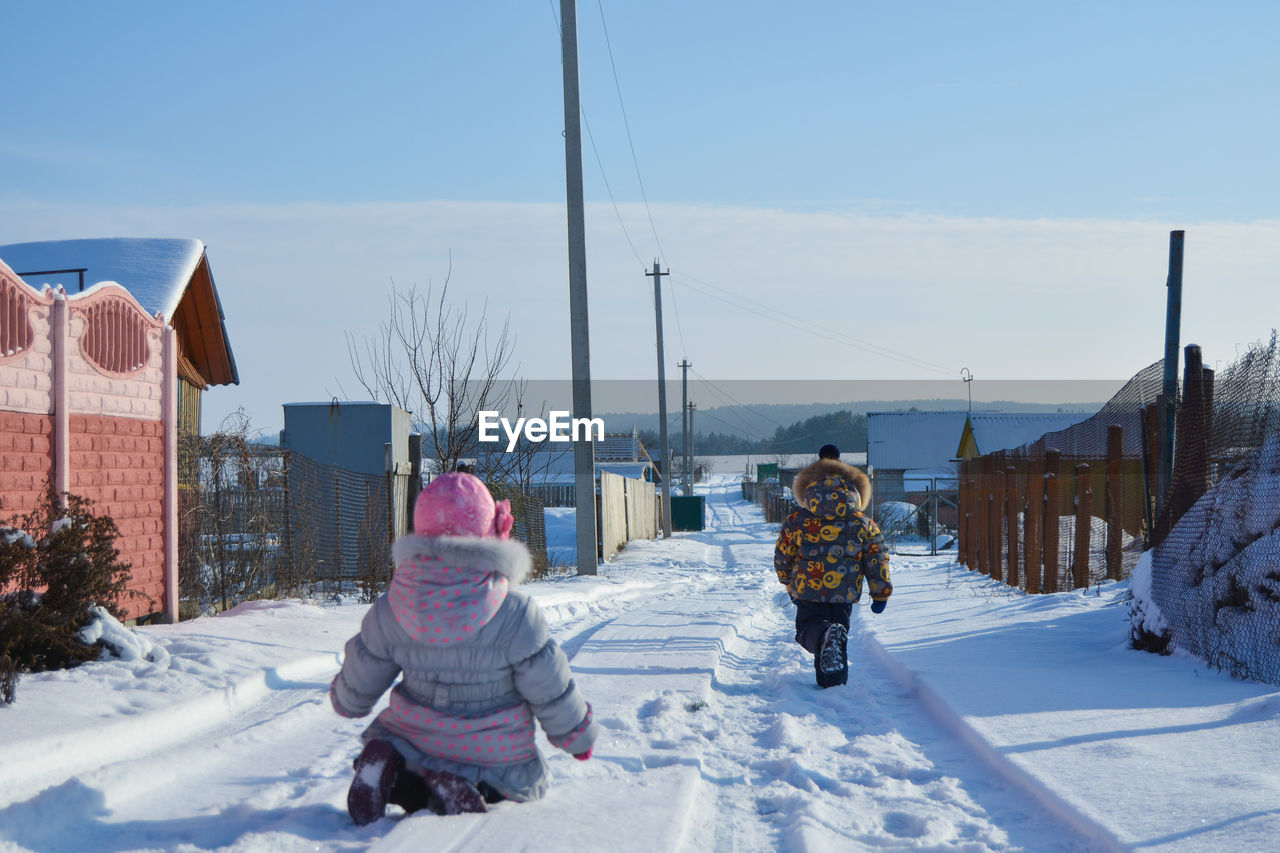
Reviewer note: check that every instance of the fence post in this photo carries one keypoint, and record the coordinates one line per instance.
(979, 515)
(1011, 521)
(1114, 498)
(1084, 518)
(1049, 578)
(1031, 523)
(1151, 438)
(1190, 477)
(994, 521)
(984, 507)
(997, 518)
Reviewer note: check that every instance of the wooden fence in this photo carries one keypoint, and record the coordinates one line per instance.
(627, 510)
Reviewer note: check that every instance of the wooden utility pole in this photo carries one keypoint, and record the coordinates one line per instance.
(662, 402)
(684, 420)
(584, 462)
(688, 463)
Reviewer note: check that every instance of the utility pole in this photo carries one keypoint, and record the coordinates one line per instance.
(684, 421)
(1172, 332)
(662, 402)
(688, 464)
(584, 462)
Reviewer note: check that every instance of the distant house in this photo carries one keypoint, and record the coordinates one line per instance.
(909, 451)
(101, 368)
(549, 471)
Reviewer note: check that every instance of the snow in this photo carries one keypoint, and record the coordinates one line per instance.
(1219, 568)
(976, 718)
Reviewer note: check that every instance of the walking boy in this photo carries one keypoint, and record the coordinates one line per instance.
(825, 549)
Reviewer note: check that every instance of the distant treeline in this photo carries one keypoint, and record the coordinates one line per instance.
(844, 429)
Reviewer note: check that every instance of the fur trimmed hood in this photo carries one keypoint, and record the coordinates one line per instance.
(470, 554)
(855, 479)
(448, 587)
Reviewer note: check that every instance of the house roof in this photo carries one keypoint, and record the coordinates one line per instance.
(932, 440)
(992, 431)
(620, 447)
(902, 440)
(168, 277)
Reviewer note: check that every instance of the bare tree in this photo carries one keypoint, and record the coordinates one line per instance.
(231, 510)
(438, 363)
(526, 462)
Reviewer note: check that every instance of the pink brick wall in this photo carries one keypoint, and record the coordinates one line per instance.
(118, 463)
(26, 443)
(115, 432)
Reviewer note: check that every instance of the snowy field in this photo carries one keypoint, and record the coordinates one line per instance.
(975, 719)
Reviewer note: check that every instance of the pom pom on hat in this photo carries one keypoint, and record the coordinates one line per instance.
(458, 504)
(829, 451)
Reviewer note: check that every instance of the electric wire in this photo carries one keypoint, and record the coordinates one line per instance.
(736, 402)
(807, 325)
(599, 160)
(627, 124)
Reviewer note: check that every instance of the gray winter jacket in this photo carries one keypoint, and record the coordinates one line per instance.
(478, 665)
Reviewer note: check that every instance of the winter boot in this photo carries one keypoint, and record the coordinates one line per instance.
(455, 794)
(831, 663)
(411, 793)
(376, 770)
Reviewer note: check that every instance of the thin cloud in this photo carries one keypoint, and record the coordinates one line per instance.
(1036, 299)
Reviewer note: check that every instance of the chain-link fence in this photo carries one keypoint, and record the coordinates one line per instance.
(1081, 505)
(530, 525)
(1215, 571)
(261, 522)
(1071, 508)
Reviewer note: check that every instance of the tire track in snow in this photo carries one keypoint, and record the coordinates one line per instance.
(27, 766)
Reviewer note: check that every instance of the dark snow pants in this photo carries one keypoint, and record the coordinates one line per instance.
(814, 617)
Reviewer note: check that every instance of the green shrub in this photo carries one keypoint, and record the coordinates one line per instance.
(56, 563)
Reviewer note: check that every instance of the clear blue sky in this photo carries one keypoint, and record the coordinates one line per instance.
(907, 162)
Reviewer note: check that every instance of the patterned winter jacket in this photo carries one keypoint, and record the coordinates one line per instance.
(478, 666)
(828, 545)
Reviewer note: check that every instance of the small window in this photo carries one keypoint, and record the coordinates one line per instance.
(116, 337)
(16, 334)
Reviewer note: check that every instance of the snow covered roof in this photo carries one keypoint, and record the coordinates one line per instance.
(901, 440)
(168, 277)
(154, 271)
(994, 431)
(931, 440)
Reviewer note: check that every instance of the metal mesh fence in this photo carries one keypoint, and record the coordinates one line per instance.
(1073, 507)
(1080, 505)
(261, 522)
(530, 522)
(1216, 563)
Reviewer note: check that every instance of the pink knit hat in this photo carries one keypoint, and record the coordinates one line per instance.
(457, 504)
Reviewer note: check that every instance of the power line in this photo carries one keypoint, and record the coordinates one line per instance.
(627, 124)
(600, 162)
(734, 402)
(807, 325)
(675, 309)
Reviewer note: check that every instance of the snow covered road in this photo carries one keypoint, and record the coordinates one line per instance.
(715, 736)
